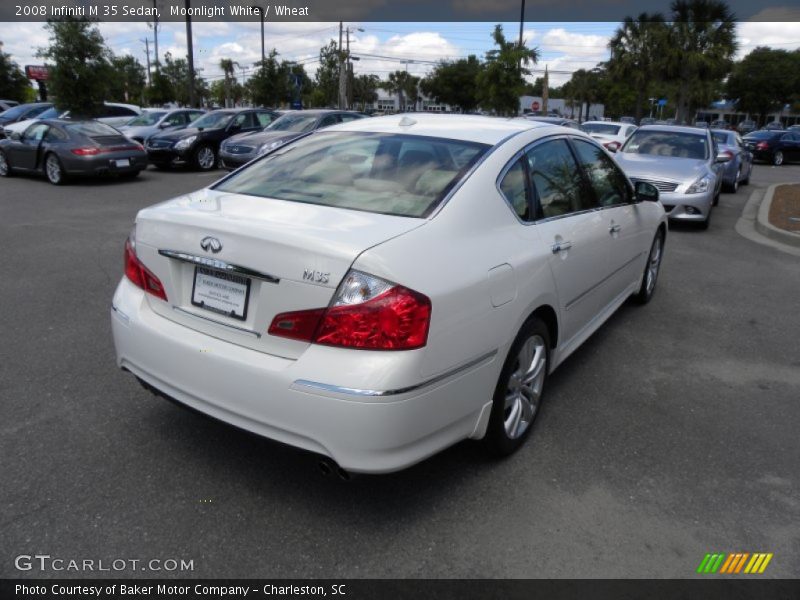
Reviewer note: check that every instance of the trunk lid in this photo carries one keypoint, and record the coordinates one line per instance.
(290, 256)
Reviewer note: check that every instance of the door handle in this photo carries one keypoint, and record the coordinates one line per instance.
(559, 246)
(614, 229)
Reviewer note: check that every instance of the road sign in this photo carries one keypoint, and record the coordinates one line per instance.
(535, 105)
(662, 102)
(37, 72)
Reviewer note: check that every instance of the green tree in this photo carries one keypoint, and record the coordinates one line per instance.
(269, 86)
(502, 80)
(79, 72)
(764, 81)
(454, 83)
(638, 48)
(228, 67)
(13, 83)
(127, 82)
(700, 48)
(397, 83)
(326, 92)
(365, 89)
(160, 90)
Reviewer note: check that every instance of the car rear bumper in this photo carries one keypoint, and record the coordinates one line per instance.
(281, 399)
(105, 164)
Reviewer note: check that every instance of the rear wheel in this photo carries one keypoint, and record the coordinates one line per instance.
(205, 158)
(651, 269)
(53, 169)
(777, 158)
(734, 187)
(5, 168)
(518, 393)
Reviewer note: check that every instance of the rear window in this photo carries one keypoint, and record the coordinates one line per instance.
(667, 143)
(91, 128)
(402, 175)
(601, 128)
(760, 135)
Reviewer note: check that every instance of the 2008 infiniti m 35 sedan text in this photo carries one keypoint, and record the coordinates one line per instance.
(380, 290)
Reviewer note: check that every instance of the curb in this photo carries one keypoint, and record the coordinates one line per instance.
(764, 227)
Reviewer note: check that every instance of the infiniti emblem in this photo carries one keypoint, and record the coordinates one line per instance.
(211, 243)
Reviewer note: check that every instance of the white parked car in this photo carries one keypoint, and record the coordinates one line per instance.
(609, 133)
(377, 291)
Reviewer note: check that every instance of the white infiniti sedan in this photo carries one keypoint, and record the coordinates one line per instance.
(377, 291)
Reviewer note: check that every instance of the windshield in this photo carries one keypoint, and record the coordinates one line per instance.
(214, 120)
(50, 113)
(385, 173)
(677, 144)
(601, 128)
(297, 123)
(90, 128)
(147, 118)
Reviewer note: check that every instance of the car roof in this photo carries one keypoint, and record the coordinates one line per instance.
(470, 128)
(674, 128)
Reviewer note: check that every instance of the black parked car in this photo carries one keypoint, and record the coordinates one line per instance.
(242, 148)
(776, 147)
(62, 148)
(198, 144)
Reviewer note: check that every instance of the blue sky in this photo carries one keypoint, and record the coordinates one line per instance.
(564, 47)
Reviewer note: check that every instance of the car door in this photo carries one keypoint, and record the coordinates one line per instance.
(25, 153)
(745, 156)
(621, 217)
(574, 232)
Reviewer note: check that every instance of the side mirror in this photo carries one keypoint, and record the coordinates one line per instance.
(16, 136)
(722, 158)
(644, 191)
(163, 125)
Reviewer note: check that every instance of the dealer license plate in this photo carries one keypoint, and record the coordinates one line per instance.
(221, 293)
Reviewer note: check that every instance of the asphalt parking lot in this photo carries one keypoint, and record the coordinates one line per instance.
(673, 432)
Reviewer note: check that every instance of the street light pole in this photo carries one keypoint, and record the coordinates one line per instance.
(190, 53)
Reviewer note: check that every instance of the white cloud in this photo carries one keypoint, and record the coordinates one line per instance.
(785, 35)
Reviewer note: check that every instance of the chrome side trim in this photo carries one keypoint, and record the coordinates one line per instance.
(220, 265)
(358, 392)
(583, 294)
(215, 322)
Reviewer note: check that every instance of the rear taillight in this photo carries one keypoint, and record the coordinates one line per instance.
(89, 151)
(366, 313)
(762, 146)
(613, 146)
(140, 275)
(728, 153)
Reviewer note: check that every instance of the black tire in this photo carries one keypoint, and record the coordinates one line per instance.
(646, 290)
(777, 158)
(53, 169)
(498, 441)
(703, 225)
(734, 187)
(5, 168)
(204, 158)
(746, 180)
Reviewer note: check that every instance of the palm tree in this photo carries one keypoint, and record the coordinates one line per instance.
(228, 67)
(701, 46)
(637, 52)
(397, 83)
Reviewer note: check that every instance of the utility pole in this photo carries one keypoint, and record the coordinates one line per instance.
(155, 33)
(190, 53)
(147, 50)
(521, 23)
(342, 81)
(263, 53)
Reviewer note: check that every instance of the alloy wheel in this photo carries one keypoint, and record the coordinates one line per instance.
(53, 169)
(3, 165)
(654, 264)
(777, 160)
(524, 387)
(206, 158)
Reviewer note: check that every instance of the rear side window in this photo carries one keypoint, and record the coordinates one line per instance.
(264, 118)
(515, 188)
(91, 128)
(385, 173)
(557, 180)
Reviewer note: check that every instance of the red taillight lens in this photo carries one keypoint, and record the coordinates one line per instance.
(140, 275)
(729, 154)
(762, 145)
(90, 151)
(367, 313)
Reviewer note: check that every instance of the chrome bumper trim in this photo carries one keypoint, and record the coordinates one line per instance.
(359, 392)
(218, 264)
